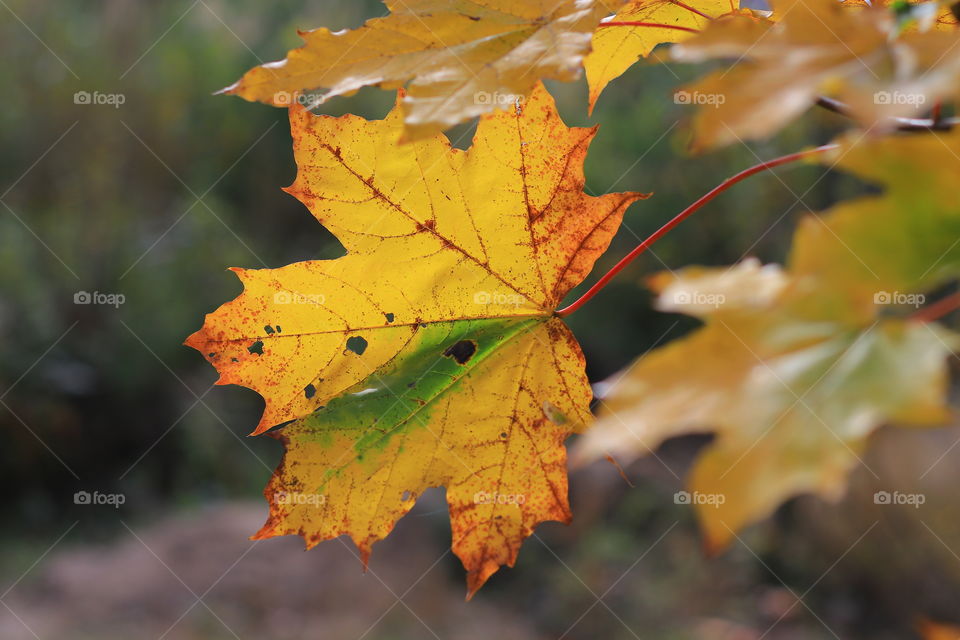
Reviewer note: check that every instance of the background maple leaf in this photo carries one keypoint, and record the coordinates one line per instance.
(797, 368)
(614, 50)
(878, 70)
(457, 59)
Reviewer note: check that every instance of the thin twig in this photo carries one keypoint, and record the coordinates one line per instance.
(683, 215)
(903, 124)
(938, 309)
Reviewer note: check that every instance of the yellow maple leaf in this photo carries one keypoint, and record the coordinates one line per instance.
(791, 391)
(615, 49)
(795, 368)
(458, 59)
(860, 55)
(429, 354)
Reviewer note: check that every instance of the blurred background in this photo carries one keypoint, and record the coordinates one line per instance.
(118, 222)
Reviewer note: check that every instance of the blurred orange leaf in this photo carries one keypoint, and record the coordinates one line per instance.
(860, 55)
(930, 630)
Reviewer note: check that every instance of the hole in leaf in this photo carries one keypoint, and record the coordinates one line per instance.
(268, 329)
(553, 414)
(256, 347)
(357, 344)
(309, 391)
(461, 351)
(389, 317)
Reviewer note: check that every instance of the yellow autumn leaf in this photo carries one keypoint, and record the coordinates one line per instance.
(902, 240)
(429, 354)
(795, 368)
(791, 392)
(458, 59)
(615, 49)
(859, 55)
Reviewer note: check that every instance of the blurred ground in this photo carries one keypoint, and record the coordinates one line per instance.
(154, 198)
(630, 567)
